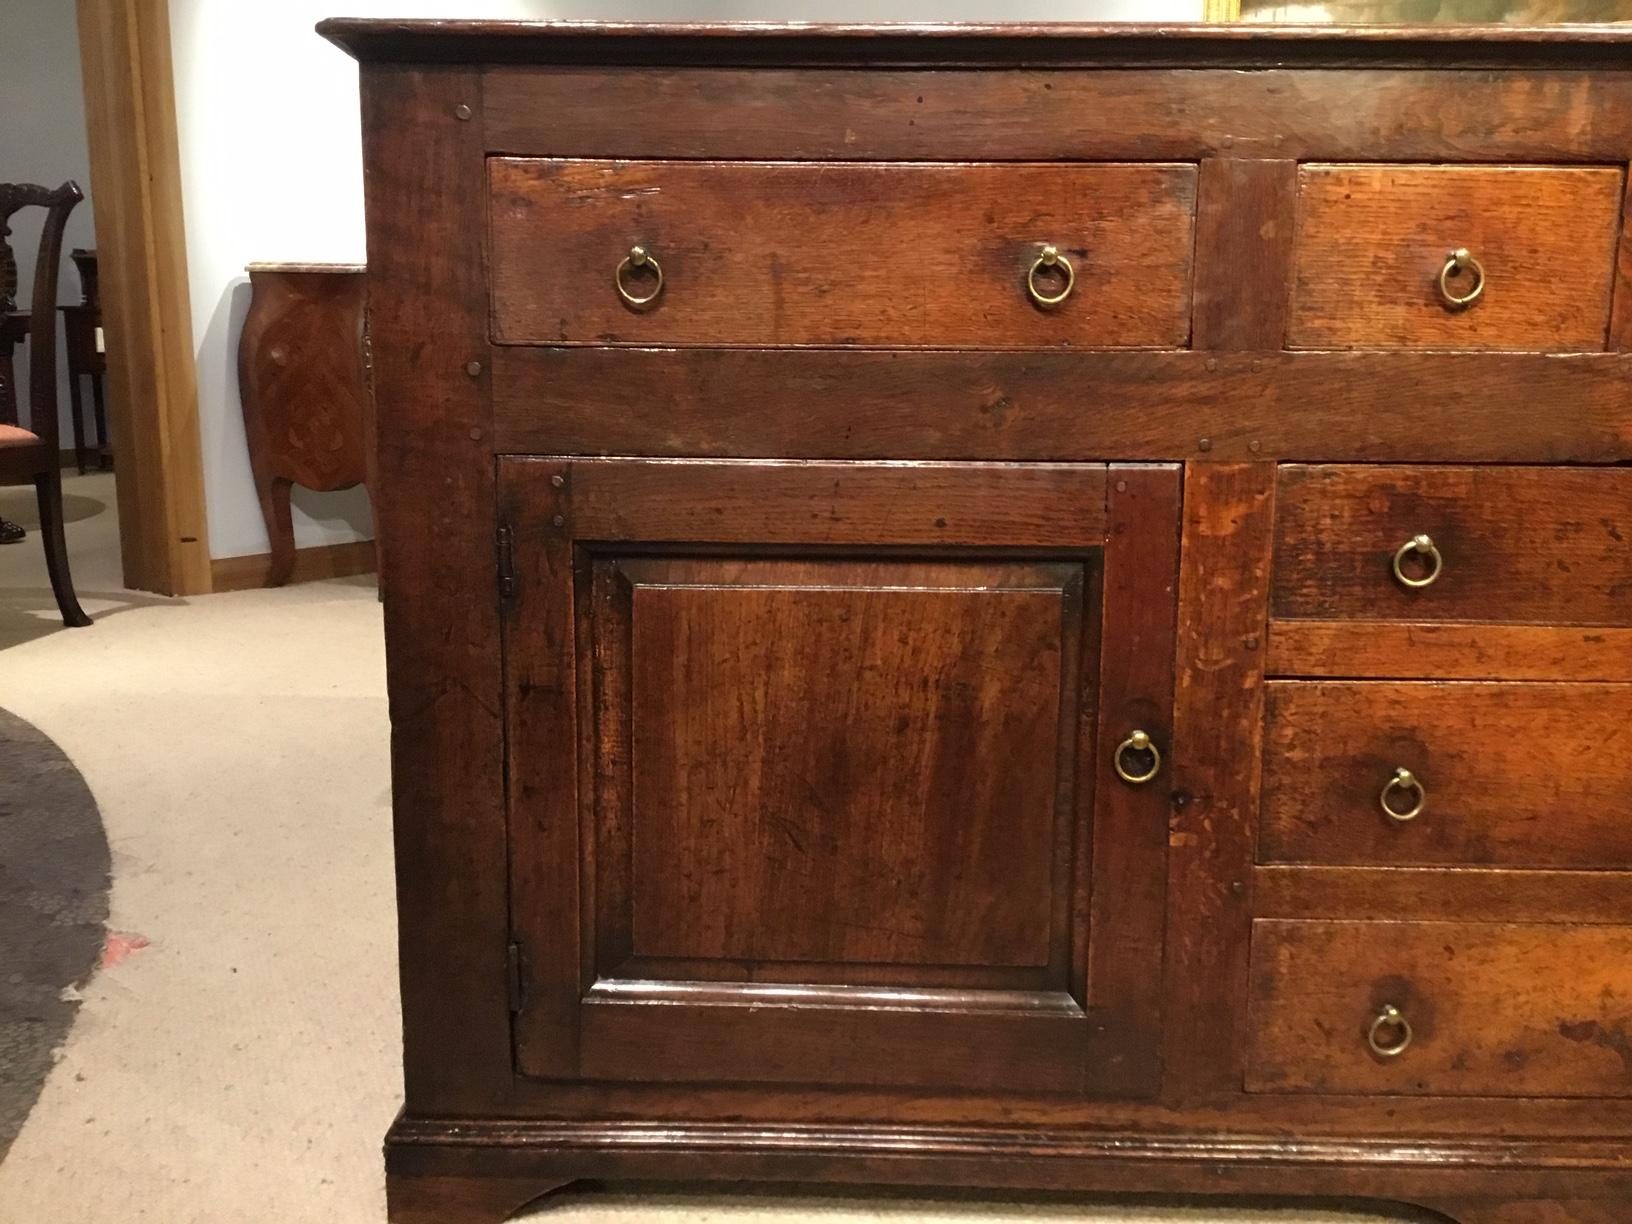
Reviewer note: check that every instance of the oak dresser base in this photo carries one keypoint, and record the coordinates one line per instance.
(1000, 608)
(483, 1173)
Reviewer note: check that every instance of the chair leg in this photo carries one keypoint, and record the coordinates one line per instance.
(48, 486)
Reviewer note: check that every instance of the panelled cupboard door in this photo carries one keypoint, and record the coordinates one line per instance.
(811, 770)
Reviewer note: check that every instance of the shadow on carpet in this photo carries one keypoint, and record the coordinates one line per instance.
(53, 904)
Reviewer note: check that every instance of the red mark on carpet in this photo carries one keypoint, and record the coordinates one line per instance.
(121, 944)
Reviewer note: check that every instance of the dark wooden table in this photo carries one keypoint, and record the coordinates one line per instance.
(87, 359)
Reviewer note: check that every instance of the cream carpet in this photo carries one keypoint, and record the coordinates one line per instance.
(234, 1061)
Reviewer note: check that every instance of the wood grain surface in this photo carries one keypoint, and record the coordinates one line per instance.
(1372, 241)
(444, 672)
(1497, 1009)
(1514, 775)
(1410, 650)
(1244, 228)
(783, 812)
(1491, 894)
(1217, 754)
(809, 503)
(1445, 407)
(1125, 859)
(786, 253)
(1520, 544)
(1026, 113)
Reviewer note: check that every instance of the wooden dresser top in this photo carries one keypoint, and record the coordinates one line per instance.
(1004, 45)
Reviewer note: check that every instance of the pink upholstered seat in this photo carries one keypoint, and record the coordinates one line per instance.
(12, 435)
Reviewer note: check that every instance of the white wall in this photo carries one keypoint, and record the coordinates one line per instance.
(42, 140)
(271, 171)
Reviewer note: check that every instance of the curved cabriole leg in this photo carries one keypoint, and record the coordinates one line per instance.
(413, 1198)
(280, 532)
(1534, 1211)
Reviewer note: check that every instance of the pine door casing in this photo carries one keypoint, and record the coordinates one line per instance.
(810, 770)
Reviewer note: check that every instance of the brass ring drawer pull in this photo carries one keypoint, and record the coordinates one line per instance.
(1406, 783)
(1423, 546)
(1459, 261)
(638, 257)
(1390, 1022)
(1139, 741)
(1050, 258)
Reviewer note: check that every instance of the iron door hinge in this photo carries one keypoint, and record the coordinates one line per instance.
(506, 545)
(515, 977)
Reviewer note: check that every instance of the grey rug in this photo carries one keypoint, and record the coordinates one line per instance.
(53, 904)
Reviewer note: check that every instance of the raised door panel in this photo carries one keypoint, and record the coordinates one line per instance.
(845, 763)
(828, 803)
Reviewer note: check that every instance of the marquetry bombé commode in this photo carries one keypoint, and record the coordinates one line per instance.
(1028, 607)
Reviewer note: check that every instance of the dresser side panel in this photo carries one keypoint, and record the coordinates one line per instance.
(423, 181)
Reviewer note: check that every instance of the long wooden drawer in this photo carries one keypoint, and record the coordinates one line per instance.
(1514, 545)
(1376, 264)
(790, 253)
(1481, 1009)
(1511, 775)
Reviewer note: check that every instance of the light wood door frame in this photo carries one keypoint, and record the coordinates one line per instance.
(130, 119)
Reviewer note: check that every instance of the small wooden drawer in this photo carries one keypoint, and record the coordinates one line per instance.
(1509, 775)
(1372, 242)
(1513, 545)
(866, 254)
(1483, 1009)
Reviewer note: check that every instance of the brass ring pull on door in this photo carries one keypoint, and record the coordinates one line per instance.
(638, 257)
(1457, 262)
(1050, 258)
(1139, 741)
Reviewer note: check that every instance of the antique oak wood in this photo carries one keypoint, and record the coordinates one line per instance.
(1495, 1009)
(1519, 544)
(1371, 242)
(1449, 651)
(780, 253)
(776, 666)
(1515, 775)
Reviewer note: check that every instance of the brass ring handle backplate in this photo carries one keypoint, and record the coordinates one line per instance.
(1390, 1022)
(1404, 782)
(1459, 261)
(638, 257)
(1050, 258)
(1139, 741)
(1423, 546)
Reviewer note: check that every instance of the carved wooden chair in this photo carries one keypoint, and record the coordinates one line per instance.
(30, 455)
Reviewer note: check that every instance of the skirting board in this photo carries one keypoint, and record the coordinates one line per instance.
(311, 564)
